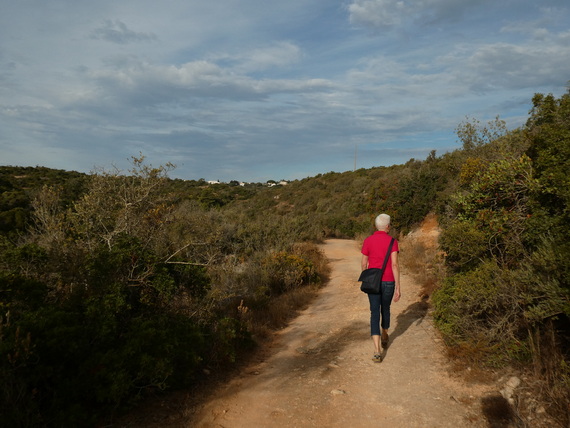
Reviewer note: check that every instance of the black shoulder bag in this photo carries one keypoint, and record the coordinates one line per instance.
(372, 277)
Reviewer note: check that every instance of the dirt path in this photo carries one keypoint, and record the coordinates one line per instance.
(321, 374)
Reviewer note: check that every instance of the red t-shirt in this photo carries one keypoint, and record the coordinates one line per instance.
(375, 247)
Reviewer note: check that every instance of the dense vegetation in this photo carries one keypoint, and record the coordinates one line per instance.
(117, 284)
(506, 297)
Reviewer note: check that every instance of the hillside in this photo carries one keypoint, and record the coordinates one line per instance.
(148, 283)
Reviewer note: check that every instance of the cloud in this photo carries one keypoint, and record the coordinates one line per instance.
(281, 54)
(386, 14)
(115, 31)
(154, 84)
(377, 13)
(507, 66)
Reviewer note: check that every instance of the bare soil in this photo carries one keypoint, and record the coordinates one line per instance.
(319, 373)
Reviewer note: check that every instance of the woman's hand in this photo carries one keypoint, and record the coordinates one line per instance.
(397, 295)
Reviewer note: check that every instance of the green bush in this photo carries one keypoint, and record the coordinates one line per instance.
(483, 307)
(285, 271)
(506, 239)
(464, 244)
(79, 362)
(228, 336)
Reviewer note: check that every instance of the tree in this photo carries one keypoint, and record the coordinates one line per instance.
(118, 204)
(473, 135)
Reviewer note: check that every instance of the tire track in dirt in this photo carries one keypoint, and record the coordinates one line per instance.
(320, 372)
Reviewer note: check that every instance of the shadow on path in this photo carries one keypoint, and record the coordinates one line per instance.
(414, 313)
(312, 357)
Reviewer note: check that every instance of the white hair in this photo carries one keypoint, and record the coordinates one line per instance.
(382, 221)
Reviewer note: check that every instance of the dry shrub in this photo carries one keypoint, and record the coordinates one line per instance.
(423, 260)
(268, 290)
(551, 371)
(315, 255)
(279, 311)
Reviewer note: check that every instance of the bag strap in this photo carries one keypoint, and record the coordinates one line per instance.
(386, 258)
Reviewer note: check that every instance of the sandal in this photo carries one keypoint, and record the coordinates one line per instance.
(377, 358)
(385, 342)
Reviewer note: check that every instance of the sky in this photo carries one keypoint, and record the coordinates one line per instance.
(256, 90)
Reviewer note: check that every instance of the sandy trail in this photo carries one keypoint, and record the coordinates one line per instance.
(320, 373)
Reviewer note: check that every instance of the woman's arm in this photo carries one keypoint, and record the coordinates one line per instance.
(364, 262)
(396, 270)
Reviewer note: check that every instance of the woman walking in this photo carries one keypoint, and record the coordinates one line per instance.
(374, 251)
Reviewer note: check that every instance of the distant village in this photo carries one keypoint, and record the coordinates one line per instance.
(269, 183)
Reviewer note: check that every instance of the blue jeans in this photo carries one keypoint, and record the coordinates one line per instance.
(380, 303)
